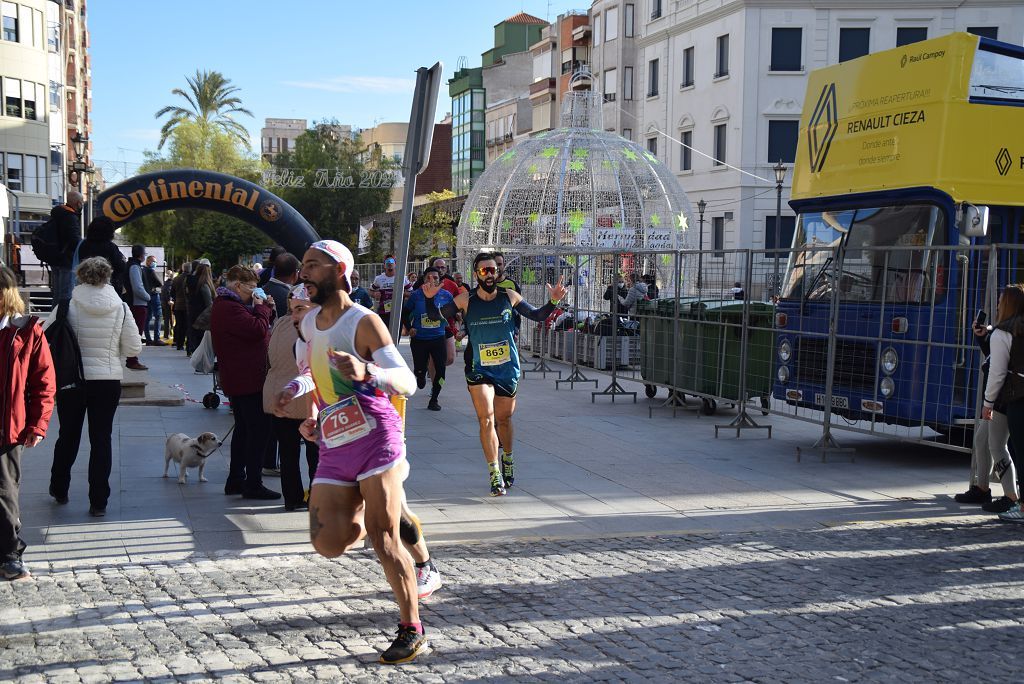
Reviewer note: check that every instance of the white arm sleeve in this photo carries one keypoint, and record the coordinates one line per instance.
(390, 374)
(303, 382)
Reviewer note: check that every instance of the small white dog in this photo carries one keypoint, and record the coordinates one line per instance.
(189, 453)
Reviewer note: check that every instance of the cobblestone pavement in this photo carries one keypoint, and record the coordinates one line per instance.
(875, 602)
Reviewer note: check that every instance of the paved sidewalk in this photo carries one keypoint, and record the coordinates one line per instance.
(631, 547)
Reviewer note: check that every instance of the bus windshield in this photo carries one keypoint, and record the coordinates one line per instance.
(869, 271)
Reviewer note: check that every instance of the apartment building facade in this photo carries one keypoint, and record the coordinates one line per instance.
(715, 89)
(45, 88)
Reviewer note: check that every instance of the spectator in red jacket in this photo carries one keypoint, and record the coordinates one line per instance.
(240, 328)
(28, 386)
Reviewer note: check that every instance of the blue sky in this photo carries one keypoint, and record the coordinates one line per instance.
(354, 61)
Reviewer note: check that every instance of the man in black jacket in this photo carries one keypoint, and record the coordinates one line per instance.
(69, 233)
(99, 242)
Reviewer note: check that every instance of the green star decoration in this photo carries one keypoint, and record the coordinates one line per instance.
(576, 221)
(506, 225)
(577, 165)
(532, 170)
(507, 157)
(533, 218)
(617, 224)
(630, 155)
(549, 152)
(529, 276)
(650, 156)
(581, 153)
(666, 259)
(655, 220)
(570, 259)
(609, 164)
(475, 218)
(681, 222)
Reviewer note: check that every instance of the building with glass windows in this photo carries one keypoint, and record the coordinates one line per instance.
(45, 90)
(468, 127)
(716, 93)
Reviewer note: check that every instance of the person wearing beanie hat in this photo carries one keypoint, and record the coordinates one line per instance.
(352, 368)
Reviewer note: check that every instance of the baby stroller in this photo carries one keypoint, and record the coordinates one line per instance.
(204, 361)
(211, 399)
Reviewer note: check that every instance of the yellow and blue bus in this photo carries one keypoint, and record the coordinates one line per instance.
(909, 161)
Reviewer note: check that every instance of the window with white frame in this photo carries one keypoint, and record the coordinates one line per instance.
(686, 151)
(29, 98)
(14, 172)
(652, 78)
(985, 31)
(652, 145)
(722, 56)
(718, 235)
(598, 20)
(628, 29)
(627, 133)
(905, 35)
(782, 137)
(610, 85)
(9, 12)
(854, 43)
(655, 9)
(611, 24)
(687, 67)
(787, 49)
(12, 97)
(720, 133)
(627, 83)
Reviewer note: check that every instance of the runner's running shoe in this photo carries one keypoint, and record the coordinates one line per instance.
(497, 486)
(508, 469)
(428, 580)
(405, 647)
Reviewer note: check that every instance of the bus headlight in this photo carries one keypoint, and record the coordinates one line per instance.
(785, 351)
(783, 374)
(890, 360)
(887, 387)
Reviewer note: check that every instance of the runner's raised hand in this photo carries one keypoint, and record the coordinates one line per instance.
(557, 291)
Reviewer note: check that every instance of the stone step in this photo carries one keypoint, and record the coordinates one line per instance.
(133, 389)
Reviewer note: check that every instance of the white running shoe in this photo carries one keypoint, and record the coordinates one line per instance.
(428, 580)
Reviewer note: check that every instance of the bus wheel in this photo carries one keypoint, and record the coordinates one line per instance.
(708, 407)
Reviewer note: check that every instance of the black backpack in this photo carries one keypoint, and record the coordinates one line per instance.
(46, 243)
(67, 356)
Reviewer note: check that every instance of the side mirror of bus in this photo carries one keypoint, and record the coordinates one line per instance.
(973, 220)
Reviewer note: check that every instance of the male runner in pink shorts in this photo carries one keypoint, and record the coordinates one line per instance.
(351, 365)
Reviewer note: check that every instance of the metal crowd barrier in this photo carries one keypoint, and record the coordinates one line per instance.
(878, 344)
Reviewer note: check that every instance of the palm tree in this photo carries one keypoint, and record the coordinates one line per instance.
(212, 100)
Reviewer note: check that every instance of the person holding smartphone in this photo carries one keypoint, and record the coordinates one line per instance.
(992, 436)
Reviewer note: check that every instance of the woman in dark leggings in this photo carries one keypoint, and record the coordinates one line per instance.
(1007, 360)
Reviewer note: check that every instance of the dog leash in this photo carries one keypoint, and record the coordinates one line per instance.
(220, 443)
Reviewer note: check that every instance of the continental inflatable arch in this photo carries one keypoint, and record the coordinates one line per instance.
(196, 189)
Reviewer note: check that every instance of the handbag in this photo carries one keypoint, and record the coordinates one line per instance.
(202, 321)
(203, 359)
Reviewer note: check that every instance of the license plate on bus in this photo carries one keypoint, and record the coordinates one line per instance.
(837, 402)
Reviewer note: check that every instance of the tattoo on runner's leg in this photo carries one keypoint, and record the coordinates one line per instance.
(314, 522)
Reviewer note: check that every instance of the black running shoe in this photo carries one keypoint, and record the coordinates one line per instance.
(433, 405)
(421, 380)
(508, 470)
(974, 495)
(405, 647)
(59, 498)
(497, 486)
(1000, 505)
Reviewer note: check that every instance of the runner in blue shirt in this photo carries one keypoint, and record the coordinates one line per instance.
(427, 336)
(493, 373)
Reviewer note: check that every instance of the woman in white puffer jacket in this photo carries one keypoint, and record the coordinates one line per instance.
(107, 334)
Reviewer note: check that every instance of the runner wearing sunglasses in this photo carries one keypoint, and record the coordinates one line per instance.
(493, 373)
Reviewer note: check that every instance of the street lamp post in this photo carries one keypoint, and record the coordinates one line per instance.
(780, 177)
(701, 206)
(79, 166)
